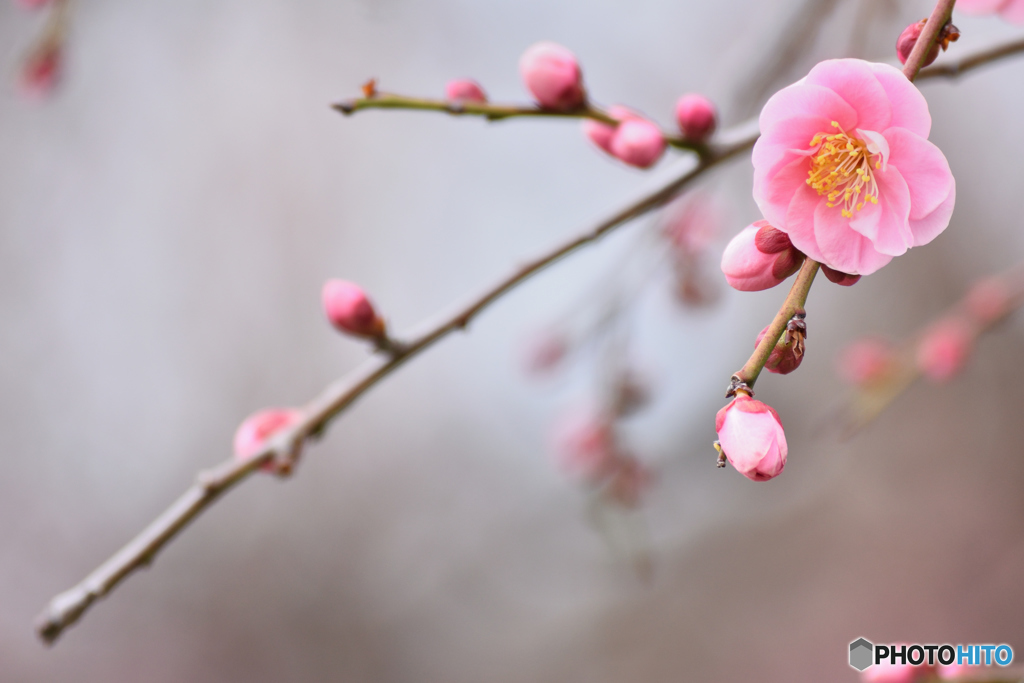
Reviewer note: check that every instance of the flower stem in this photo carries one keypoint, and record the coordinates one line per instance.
(929, 34)
(492, 112)
(791, 306)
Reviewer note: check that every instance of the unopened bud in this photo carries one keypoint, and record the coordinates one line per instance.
(908, 39)
(840, 278)
(635, 141)
(252, 435)
(552, 74)
(696, 116)
(988, 300)
(750, 435)
(464, 90)
(944, 348)
(584, 442)
(789, 350)
(760, 257)
(350, 311)
(41, 71)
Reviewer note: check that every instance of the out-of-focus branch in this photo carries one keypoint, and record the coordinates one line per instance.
(492, 112)
(980, 58)
(67, 607)
(793, 304)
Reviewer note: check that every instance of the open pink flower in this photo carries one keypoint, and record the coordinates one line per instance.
(1011, 10)
(844, 166)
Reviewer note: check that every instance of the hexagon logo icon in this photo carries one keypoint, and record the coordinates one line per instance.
(861, 652)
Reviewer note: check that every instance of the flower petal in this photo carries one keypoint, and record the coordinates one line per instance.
(1013, 11)
(855, 82)
(799, 222)
(909, 108)
(841, 247)
(805, 100)
(931, 226)
(887, 223)
(925, 169)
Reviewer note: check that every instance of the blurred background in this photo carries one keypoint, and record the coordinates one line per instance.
(167, 218)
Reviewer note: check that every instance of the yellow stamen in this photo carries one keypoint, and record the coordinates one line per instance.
(841, 169)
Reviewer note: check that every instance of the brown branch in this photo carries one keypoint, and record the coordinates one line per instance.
(67, 607)
(493, 112)
(929, 34)
(965, 64)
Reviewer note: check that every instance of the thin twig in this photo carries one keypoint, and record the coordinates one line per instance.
(929, 34)
(493, 112)
(67, 607)
(965, 64)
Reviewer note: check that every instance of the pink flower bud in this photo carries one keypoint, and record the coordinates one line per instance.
(866, 361)
(944, 348)
(789, 350)
(584, 442)
(696, 117)
(253, 433)
(41, 71)
(751, 436)
(553, 76)
(759, 257)
(988, 300)
(905, 43)
(465, 90)
(349, 309)
(841, 279)
(638, 143)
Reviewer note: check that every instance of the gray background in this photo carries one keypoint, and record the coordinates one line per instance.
(166, 222)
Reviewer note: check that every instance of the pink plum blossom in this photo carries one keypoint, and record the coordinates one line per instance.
(944, 348)
(252, 434)
(751, 436)
(1011, 10)
(988, 300)
(866, 361)
(584, 443)
(696, 116)
(552, 74)
(465, 90)
(635, 141)
(350, 310)
(886, 672)
(41, 71)
(759, 257)
(845, 168)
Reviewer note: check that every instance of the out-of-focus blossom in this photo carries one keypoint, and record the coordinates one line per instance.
(1011, 10)
(845, 168)
(635, 141)
(692, 222)
(628, 482)
(631, 393)
(944, 348)
(988, 300)
(696, 116)
(955, 671)
(751, 436)
(759, 257)
(885, 672)
(545, 351)
(905, 43)
(465, 90)
(350, 310)
(866, 361)
(33, 4)
(253, 433)
(40, 72)
(552, 74)
(584, 443)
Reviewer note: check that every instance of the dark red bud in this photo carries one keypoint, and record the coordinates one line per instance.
(769, 240)
(789, 351)
(787, 263)
(905, 43)
(841, 279)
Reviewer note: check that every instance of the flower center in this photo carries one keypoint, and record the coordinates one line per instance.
(841, 169)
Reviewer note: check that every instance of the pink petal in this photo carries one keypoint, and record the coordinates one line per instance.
(886, 223)
(909, 108)
(805, 100)
(931, 183)
(980, 6)
(843, 248)
(855, 82)
(774, 192)
(1013, 11)
(931, 226)
(799, 222)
